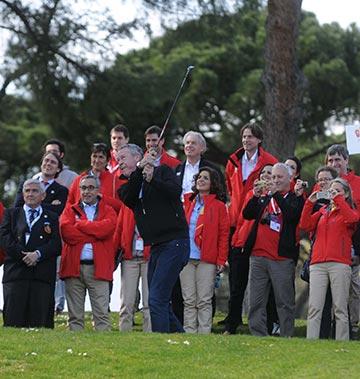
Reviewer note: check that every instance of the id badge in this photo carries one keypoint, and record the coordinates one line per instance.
(274, 223)
(139, 244)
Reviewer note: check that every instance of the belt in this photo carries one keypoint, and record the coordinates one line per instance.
(86, 262)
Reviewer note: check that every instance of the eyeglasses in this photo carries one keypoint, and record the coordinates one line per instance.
(89, 188)
(324, 180)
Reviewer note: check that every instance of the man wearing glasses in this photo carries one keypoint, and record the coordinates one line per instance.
(87, 264)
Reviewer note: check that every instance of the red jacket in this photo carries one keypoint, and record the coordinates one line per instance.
(76, 230)
(333, 231)
(234, 180)
(113, 164)
(243, 227)
(354, 182)
(109, 184)
(169, 160)
(124, 233)
(212, 229)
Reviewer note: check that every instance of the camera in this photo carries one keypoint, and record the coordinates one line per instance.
(265, 220)
(304, 184)
(323, 195)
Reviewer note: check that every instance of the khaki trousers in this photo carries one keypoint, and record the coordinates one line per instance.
(354, 300)
(131, 272)
(75, 289)
(197, 284)
(339, 276)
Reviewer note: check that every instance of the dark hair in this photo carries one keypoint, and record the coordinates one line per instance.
(329, 169)
(54, 141)
(154, 129)
(337, 149)
(298, 165)
(256, 130)
(59, 161)
(120, 128)
(215, 184)
(101, 147)
(265, 165)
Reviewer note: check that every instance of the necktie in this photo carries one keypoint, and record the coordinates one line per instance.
(33, 214)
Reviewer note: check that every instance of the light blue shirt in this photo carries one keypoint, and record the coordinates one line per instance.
(87, 250)
(194, 250)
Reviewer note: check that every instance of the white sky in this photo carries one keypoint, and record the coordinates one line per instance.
(344, 12)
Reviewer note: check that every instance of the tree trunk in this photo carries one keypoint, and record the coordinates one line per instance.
(283, 81)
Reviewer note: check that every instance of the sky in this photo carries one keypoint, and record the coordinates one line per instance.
(344, 12)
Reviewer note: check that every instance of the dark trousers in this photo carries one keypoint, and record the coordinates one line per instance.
(271, 311)
(326, 318)
(177, 302)
(28, 304)
(166, 261)
(238, 280)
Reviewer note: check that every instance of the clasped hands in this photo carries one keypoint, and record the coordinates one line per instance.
(30, 258)
(147, 164)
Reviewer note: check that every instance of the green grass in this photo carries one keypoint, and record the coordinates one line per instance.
(63, 354)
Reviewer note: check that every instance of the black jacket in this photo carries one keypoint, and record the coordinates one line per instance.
(54, 191)
(44, 236)
(158, 212)
(291, 207)
(180, 169)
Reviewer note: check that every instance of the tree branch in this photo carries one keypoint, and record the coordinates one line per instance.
(321, 150)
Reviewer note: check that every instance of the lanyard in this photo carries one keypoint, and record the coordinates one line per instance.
(275, 209)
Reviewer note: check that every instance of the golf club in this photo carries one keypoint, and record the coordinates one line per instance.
(188, 70)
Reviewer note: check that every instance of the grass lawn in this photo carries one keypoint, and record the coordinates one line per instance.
(62, 354)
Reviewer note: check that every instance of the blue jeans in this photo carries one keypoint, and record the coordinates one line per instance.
(166, 261)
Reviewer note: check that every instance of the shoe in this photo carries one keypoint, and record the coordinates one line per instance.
(223, 322)
(276, 329)
(58, 311)
(226, 333)
(354, 333)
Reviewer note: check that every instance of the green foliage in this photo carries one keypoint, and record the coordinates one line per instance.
(223, 92)
(22, 133)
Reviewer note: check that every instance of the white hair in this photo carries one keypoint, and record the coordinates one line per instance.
(198, 136)
(36, 182)
(285, 168)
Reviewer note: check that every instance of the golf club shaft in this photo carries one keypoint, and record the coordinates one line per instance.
(175, 101)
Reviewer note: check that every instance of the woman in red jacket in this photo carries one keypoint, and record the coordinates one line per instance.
(333, 226)
(209, 232)
(109, 183)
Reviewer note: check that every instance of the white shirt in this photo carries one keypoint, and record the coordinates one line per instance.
(248, 165)
(188, 178)
(41, 180)
(87, 250)
(27, 215)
